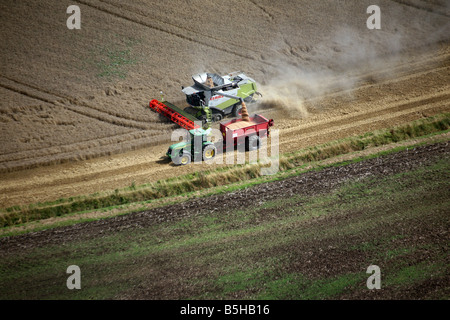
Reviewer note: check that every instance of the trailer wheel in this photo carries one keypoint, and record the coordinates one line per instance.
(209, 152)
(253, 143)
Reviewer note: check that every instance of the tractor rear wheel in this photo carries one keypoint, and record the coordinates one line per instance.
(209, 152)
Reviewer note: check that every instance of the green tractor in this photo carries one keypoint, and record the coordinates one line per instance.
(213, 97)
(195, 147)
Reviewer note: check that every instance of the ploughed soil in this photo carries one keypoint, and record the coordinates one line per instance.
(321, 247)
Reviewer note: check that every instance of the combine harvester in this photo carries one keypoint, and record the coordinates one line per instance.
(196, 147)
(213, 97)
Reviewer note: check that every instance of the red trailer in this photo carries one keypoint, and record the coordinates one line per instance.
(248, 132)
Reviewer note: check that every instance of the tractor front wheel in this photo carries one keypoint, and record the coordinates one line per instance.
(185, 159)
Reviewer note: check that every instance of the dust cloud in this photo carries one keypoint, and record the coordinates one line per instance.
(338, 66)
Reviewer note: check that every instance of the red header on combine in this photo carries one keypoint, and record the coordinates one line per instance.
(174, 114)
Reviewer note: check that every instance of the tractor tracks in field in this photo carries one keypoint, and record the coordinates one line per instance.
(132, 9)
(393, 72)
(387, 76)
(168, 28)
(424, 91)
(422, 5)
(395, 113)
(140, 134)
(265, 12)
(411, 90)
(70, 103)
(82, 150)
(367, 110)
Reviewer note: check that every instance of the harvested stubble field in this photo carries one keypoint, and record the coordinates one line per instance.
(74, 116)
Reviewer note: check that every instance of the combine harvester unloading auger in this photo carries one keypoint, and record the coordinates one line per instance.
(248, 130)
